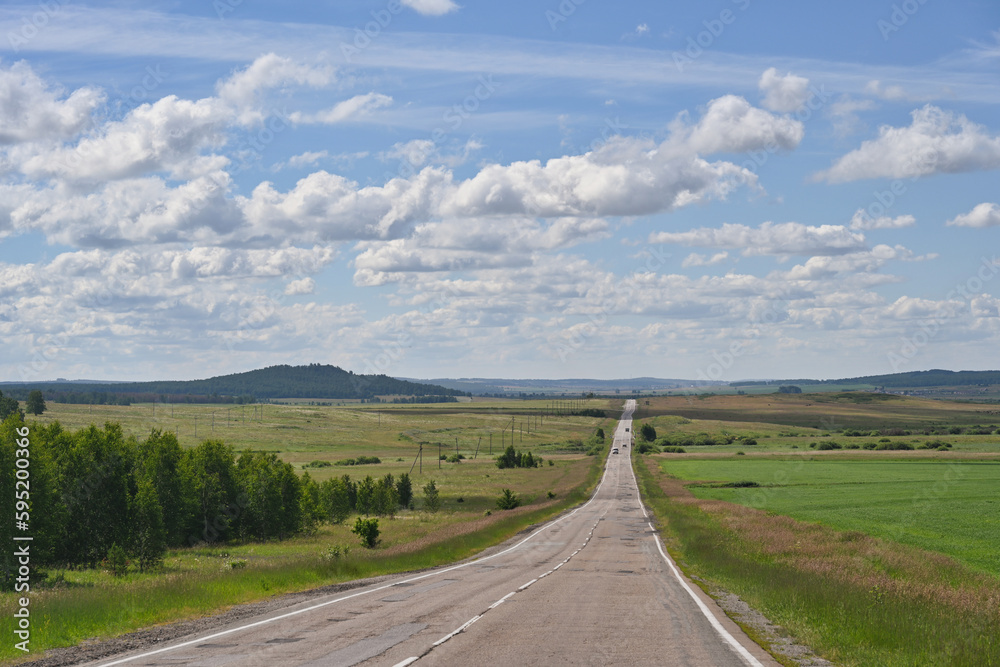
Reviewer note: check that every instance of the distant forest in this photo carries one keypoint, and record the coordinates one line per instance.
(931, 378)
(312, 381)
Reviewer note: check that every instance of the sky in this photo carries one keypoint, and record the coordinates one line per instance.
(716, 190)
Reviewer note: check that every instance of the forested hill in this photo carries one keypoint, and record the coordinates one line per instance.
(931, 378)
(312, 381)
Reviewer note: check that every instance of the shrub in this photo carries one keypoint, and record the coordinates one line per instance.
(336, 552)
(318, 464)
(235, 563)
(673, 450)
(367, 530)
(647, 432)
(830, 444)
(550, 495)
(507, 500)
(455, 458)
(748, 441)
(117, 561)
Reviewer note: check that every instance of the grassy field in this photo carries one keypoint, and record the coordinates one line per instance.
(825, 411)
(74, 605)
(855, 599)
(869, 557)
(948, 506)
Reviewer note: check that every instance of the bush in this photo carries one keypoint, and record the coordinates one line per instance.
(367, 530)
(828, 445)
(454, 458)
(117, 561)
(507, 500)
(318, 464)
(747, 441)
(673, 450)
(336, 552)
(235, 563)
(647, 432)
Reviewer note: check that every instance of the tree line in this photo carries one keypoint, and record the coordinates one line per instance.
(96, 489)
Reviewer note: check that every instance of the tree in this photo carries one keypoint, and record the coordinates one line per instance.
(366, 495)
(335, 499)
(404, 487)
(507, 500)
(789, 389)
(213, 472)
(599, 433)
(432, 498)
(149, 536)
(35, 403)
(386, 497)
(647, 432)
(9, 406)
(310, 505)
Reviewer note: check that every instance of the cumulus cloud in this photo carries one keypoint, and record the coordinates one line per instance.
(937, 141)
(783, 93)
(352, 109)
(299, 287)
(733, 125)
(168, 135)
(431, 7)
(787, 238)
(986, 214)
(31, 109)
(862, 220)
(242, 90)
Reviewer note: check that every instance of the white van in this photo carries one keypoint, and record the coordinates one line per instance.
(614, 451)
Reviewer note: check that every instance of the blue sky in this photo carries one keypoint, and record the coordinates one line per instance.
(715, 190)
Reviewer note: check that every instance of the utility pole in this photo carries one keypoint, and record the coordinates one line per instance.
(439, 456)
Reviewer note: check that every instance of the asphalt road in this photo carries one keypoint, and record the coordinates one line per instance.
(593, 587)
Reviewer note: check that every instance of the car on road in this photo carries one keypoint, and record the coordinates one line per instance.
(614, 451)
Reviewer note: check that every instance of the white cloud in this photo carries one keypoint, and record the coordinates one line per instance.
(732, 125)
(783, 93)
(415, 152)
(786, 238)
(862, 220)
(844, 114)
(166, 136)
(986, 214)
(352, 109)
(694, 259)
(307, 159)
(431, 7)
(243, 88)
(31, 109)
(299, 287)
(937, 141)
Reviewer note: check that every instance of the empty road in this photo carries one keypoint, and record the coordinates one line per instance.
(593, 587)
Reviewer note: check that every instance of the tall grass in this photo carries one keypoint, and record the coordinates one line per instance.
(887, 614)
(67, 616)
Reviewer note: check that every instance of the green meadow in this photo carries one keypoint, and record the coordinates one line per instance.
(948, 506)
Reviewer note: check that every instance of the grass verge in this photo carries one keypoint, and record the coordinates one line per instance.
(856, 600)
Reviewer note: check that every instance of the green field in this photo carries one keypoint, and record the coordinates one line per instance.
(948, 506)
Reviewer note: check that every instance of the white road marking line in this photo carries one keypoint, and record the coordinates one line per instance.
(462, 628)
(364, 592)
(527, 584)
(501, 600)
(737, 646)
(408, 661)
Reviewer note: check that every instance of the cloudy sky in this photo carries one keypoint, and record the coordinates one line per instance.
(429, 188)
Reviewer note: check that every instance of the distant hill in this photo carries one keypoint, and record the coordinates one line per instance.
(312, 381)
(912, 379)
(504, 386)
